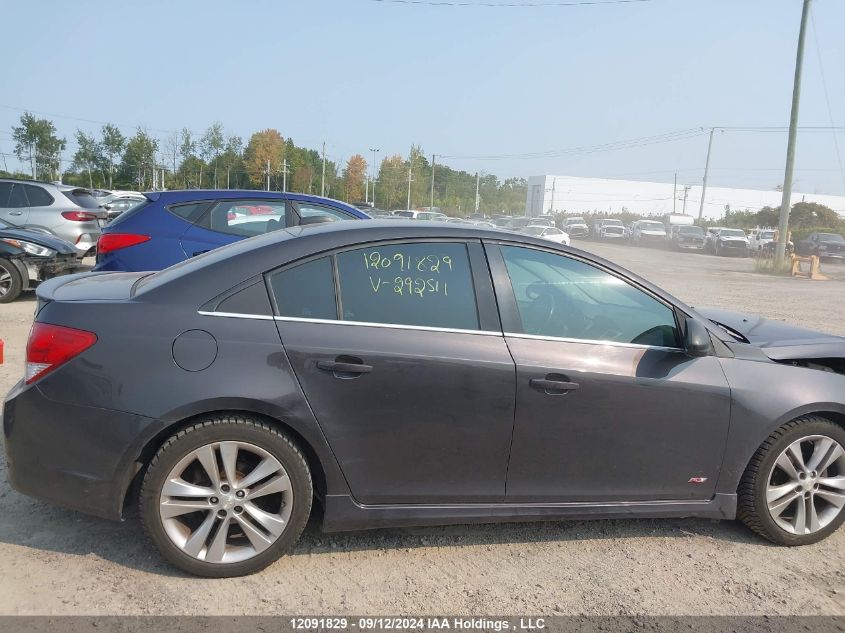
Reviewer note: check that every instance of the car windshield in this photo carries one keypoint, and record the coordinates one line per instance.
(732, 233)
(652, 226)
(690, 230)
(767, 235)
(534, 230)
(575, 221)
(612, 222)
(831, 237)
(404, 214)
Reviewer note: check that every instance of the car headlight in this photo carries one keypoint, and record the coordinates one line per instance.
(32, 249)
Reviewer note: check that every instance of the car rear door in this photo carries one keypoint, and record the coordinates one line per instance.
(14, 206)
(608, 405)
(399, 351)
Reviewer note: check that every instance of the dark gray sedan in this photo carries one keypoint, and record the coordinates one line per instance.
(415, 374)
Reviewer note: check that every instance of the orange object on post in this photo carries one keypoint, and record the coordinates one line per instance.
(1, 351)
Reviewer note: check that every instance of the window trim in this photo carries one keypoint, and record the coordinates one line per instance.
(509, 309)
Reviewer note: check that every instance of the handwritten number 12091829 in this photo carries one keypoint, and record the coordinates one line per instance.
(414, 284)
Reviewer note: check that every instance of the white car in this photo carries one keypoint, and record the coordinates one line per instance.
(550, 233)
(758, 239)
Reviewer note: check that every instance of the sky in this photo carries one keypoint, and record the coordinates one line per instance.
(461, 81)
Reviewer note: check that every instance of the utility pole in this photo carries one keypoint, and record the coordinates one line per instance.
(706, 173)
(552, 201)
(433, 157)
(285, 175)
(323, 177)
(477, 197)
(228, 169)
(410, 168)
(686, 191)
(268, 174)
(675, 193)
(374, 151)
(786, 200)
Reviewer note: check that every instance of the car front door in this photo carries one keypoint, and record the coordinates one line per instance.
(399, 351)
(608, 406)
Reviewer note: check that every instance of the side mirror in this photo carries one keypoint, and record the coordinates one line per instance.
(697, 340)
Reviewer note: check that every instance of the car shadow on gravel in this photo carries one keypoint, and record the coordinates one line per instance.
(34, 525)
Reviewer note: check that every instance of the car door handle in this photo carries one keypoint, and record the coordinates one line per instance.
(15, 212)
(338, 368)
(553, 387)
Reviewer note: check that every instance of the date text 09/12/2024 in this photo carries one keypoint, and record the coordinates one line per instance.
(417, 623)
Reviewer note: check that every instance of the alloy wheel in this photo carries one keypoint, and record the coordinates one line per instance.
(806, 486)
(5, 281)
(226, 502)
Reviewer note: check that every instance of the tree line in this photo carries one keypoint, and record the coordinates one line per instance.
(216, 160)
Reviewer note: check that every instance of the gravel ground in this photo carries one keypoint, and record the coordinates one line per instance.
(54, 561)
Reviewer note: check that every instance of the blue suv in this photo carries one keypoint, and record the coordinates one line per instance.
(172, 226)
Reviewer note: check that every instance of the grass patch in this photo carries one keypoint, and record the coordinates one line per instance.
(773, 266)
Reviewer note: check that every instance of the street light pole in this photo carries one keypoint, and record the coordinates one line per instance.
(374, 151)
(785, 204)
(431, 204)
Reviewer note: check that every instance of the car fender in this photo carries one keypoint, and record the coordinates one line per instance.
(305, 432)
(766, 395)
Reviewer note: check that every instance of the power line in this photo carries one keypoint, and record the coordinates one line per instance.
(589, 149)
(826, 96)
(73, 118)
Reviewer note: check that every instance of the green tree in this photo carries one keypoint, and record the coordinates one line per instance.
(211, 146)
(36, 142)
(88, 156)
(113, 144)
(139, 160)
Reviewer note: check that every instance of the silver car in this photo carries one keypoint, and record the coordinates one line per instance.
(70, 213)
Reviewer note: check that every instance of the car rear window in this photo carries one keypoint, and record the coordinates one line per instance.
(306, 291)
(82, 198)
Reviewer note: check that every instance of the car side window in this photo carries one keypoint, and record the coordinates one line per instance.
(309, 210)
(12, 196)
(563, 297)
(418, 284)
(305, 291)
(37, 196)
(246, 217)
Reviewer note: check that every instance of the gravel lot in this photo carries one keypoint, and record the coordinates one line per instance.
(54, 561)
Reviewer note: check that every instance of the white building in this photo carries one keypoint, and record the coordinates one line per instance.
(572, 194)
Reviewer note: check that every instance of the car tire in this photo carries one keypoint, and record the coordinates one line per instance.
(186, 540)
(764, 479)
(11, 283)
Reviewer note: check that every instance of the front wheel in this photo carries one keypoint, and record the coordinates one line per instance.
(226, 497)
(793, 490)
(11, 283)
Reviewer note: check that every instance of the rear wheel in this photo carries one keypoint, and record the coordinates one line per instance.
(793, 491)
(11, 283)
(226, 497)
